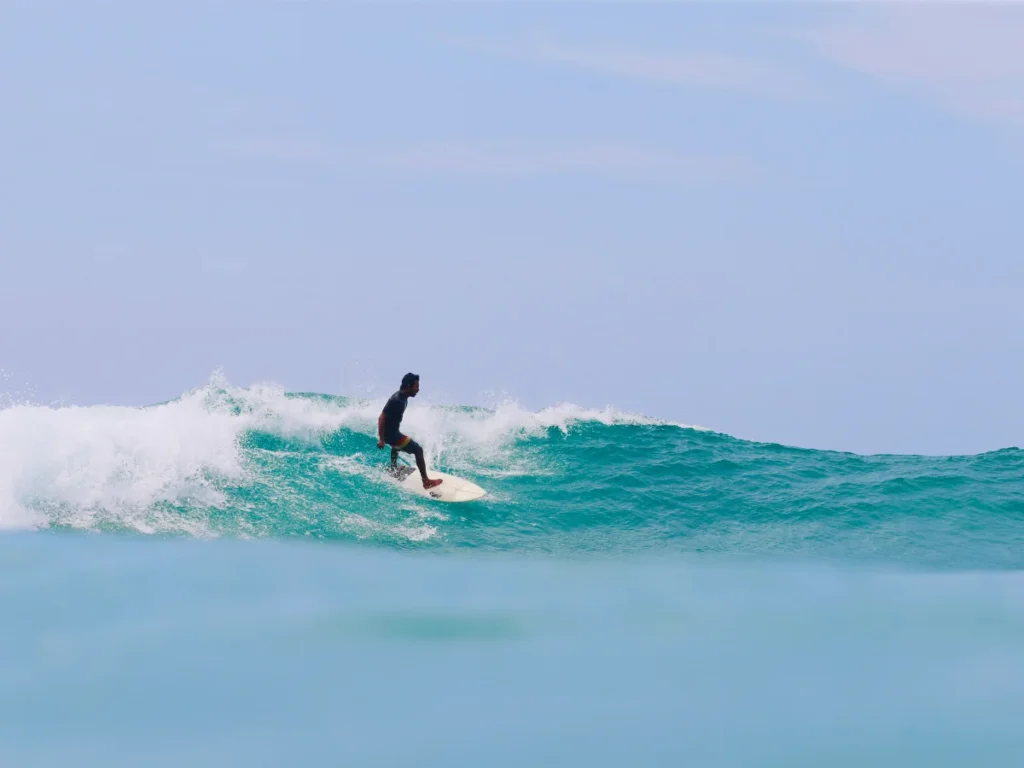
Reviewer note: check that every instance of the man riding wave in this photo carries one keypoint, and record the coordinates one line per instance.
(391, 419)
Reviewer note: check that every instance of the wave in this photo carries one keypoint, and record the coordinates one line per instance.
(261, 462)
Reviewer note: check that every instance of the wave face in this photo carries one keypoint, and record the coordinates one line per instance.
(223, 461)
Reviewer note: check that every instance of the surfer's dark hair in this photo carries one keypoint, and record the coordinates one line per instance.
(409, 379)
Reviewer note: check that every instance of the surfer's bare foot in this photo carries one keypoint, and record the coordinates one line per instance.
(428, 484)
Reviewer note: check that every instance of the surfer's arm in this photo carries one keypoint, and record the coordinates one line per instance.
(380, 430)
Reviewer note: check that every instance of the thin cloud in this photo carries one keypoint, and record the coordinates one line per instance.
(968, 58)
(698, 69)
(510, 159)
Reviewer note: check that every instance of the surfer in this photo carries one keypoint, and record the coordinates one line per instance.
(389, 421)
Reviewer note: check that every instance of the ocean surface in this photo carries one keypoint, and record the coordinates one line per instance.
(231, 578)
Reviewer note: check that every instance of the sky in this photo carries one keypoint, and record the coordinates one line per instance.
(793, 222)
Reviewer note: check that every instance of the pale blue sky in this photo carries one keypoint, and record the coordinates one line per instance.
(790, 222)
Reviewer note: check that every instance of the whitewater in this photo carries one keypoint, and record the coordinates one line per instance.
(230, 577)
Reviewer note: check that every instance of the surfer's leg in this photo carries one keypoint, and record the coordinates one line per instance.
(414, 448)
(421, 462)
(401, 443)
(411, 446)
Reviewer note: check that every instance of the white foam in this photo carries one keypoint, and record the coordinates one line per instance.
(364, 528)
(117, 459)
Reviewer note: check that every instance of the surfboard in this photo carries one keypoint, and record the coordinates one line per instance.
(452, 489)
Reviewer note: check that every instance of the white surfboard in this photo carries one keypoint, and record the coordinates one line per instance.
(452, 489)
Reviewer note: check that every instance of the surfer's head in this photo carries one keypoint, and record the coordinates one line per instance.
(411, 384)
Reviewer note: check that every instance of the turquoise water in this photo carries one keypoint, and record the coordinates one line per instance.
(230, 578)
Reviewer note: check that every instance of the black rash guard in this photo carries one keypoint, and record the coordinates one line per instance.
(394, 410)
